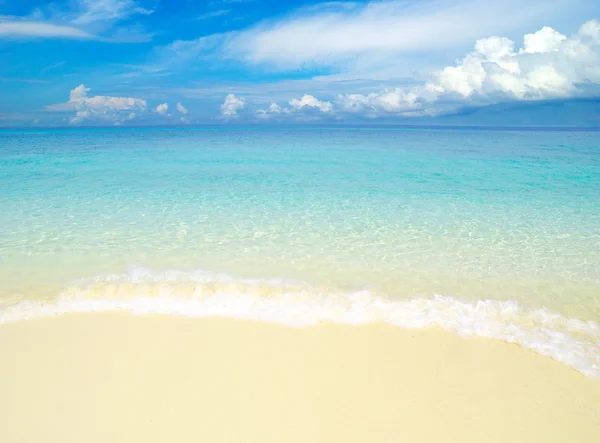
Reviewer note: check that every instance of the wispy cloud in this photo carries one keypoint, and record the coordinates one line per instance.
(22, 80)
(367, 36)
(83, 20)
(17, 27)
(213, 14)
(229, 2)
(52, 67)
(108, 10)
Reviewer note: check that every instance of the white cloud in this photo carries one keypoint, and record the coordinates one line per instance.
(162, 109)
(116, 110)
(543, 65)
(274, 108)
(388, 101)
(385, 41)
(590, 30)
(17, 27)
(307, 106)
(108, 10)
(273, 111)
(82, 19)
(550, 65)
(308, 101)
(377, 32)
(545, 40)
(213, 14)
(181, 109)
(232, 105)
(79, 93)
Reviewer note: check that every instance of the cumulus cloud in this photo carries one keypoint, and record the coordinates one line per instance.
(116, 110)
(306, 108)
(272, 112)
(181, 109)
(545, 40)
(274, 108)
(308, 101)
(549, 65)
(184, 113)
(162, 109)
(232, 105)
(397, 101)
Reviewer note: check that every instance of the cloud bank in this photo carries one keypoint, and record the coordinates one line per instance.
(548, 65)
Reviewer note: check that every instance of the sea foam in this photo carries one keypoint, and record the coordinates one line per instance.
(202, 294)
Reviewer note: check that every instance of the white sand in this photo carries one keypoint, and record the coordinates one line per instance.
(117, 378)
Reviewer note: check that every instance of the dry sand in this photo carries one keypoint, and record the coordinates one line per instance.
(91, 378)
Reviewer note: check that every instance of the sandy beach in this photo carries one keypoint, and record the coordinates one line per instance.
(316, 221)
(121, 378)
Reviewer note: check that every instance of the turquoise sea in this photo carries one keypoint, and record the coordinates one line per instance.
(492, 233)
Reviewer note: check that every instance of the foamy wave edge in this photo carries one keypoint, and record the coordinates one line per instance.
(202, 294)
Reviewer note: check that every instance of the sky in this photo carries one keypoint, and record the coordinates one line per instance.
(274, 62)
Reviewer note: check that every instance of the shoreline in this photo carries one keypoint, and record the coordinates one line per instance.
(204, 295)
(99, 377)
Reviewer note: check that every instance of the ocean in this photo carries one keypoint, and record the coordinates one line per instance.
(482, 232)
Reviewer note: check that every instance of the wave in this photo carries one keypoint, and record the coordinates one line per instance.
(201, 294)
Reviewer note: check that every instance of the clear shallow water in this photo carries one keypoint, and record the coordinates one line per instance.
(399, 215)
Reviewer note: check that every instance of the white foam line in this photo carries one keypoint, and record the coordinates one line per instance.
(570, 341)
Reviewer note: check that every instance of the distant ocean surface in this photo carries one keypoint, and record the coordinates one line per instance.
(492, 233)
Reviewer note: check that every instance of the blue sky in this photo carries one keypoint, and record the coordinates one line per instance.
(165, 62)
